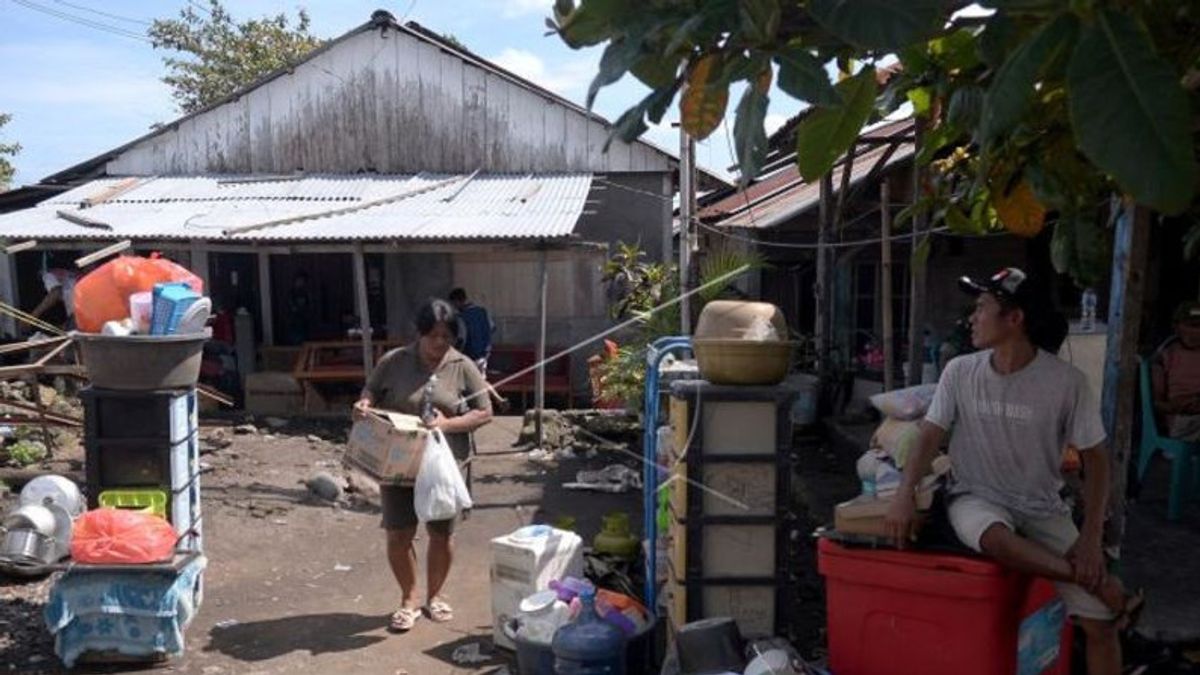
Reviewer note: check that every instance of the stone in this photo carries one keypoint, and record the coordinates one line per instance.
(244, 429)
(275, 423)
(314, 438)
(325, 486)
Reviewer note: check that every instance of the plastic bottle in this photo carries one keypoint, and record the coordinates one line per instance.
(589, 645)
(427, 413)
(1087, 306)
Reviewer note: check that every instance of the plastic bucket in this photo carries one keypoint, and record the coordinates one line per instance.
(142, 362)
(535, 658)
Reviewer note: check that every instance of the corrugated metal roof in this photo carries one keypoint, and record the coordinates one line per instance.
(439, 207)
(785, 194)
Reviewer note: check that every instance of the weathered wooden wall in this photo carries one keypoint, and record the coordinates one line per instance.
(392, 102)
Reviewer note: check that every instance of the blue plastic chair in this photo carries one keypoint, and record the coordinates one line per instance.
(1183, 455)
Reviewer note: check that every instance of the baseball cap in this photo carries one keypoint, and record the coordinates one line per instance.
(1011, 284)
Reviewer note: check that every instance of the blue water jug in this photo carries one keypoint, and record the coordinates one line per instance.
(589, 645)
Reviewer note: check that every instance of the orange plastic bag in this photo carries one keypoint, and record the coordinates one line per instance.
(102, 295)
(116, 536)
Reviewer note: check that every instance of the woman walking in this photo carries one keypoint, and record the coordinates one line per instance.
(401, 382)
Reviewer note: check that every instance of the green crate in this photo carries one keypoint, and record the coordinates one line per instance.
(146, 500)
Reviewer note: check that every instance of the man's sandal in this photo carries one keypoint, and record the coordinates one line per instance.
(439, 611)
(1134, 604)
(404, 619)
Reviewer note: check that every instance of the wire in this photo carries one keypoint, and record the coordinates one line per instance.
(118, 17)
(838, 244)
(96, 25)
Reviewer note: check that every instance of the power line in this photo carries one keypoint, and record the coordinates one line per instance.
(118, 17)
(95, 25)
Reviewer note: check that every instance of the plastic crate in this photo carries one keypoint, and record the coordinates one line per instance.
(170, 302)
(143, 499)
(897, 612)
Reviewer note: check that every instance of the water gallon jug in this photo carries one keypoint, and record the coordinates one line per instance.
(589, 645)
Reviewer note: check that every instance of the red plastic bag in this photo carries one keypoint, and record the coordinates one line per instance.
(102, 295)
(116, 536)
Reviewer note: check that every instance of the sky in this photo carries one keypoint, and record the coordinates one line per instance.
(77, 90)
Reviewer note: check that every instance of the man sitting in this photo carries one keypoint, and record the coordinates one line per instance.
(1175, 375)
(1010, 409)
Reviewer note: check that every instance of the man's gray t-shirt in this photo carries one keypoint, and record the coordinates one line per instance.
(1008, 432)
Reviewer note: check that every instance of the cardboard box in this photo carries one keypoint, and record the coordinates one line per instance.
(388, 446)
(865, 513)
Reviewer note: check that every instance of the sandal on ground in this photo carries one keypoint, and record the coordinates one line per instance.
(439, 611)
(404, 619)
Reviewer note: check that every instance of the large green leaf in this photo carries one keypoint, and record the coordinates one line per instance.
(802, 76)
(702, 106)
(749, 136)
(759, 19)
(956, 51)
(591, 23)
(828, 132)
(1080, 248)
(655, 71)
(618, 56)
(966, 106)
(1130, 114)
(999, 37)
(879, 24)
(1012, 88)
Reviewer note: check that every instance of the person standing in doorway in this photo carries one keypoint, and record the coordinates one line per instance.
(475, 336)
(1009, 410)
(59, 280)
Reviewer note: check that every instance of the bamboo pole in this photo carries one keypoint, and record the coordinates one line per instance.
(885, 267)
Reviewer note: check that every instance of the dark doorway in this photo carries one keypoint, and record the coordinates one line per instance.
(312, 296)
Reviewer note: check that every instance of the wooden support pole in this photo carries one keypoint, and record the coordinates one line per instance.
(199, 256)
(885, 269)
(1131, 245)
(363, 308)
(540, 381)
(823, 287)
(917, 276)
(264, 298)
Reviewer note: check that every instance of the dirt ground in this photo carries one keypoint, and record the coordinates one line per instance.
(296, 585)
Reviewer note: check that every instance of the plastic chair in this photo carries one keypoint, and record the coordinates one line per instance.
(1183, 455)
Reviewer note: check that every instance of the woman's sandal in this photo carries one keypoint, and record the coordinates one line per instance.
(439, 611)
(404, 619)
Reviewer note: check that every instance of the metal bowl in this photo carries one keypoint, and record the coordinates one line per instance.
(27, 547)
(32, 517)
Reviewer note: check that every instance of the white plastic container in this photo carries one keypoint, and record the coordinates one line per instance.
(141, 306)
(525, 562)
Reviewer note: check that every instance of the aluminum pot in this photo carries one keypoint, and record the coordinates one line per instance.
(26, 546)
(32, 517)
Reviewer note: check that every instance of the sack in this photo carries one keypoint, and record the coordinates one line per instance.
(102, 295)
(905, 404)
(440, 491)
(897, 438)
(117, 536)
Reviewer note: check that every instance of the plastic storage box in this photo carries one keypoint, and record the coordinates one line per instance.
(171, 301)
(899, 613)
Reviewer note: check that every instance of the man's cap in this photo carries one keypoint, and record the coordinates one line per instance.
(1188, 312)
(1010, 283)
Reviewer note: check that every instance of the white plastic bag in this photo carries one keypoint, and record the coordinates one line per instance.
(440, 492)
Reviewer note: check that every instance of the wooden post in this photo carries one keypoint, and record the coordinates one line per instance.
(363, 308)
(885, 269)
(1131, 244)
(199, 256)
(687, 190)
(823, 287)
(917, 265)
(540, 381)
(264, 298)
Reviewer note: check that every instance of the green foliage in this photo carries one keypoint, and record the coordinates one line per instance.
(219, 56)
(1060, 104)
(7, 150)
(26, 452)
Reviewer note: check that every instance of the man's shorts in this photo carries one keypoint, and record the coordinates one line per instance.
(971, 516)
(399, 513)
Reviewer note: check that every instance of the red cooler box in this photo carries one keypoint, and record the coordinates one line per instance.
(898, 613)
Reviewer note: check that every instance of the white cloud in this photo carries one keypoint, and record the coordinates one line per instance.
(568, 78)
(515, 8)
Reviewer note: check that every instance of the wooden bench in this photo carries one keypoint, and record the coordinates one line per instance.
(507, 360)
(335, 362)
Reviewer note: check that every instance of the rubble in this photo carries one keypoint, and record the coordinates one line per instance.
(275, 423)
(243, 429)
(324, 486)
